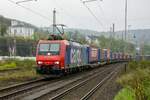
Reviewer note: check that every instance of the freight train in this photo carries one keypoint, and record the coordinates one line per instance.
(63, 57)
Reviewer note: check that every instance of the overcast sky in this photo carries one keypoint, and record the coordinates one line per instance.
(75, 15)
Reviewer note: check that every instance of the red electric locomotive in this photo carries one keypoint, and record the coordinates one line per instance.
(50, 56)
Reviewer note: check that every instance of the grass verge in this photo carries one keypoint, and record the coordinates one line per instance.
(137, 79)
(125, 94)
(8, 66)
(26, 71)
(15, 63)
(19, 75)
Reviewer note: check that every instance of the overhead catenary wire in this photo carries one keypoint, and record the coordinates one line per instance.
(93, 14)
(62, 8)
(99, 6)
(47, 18)
(24, 1)
(88, 1)
(102, 11)
(64, 11)
(34, 12)
(103, 14)
(68, 14)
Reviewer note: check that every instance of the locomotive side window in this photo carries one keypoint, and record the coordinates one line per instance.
(46, 49)
(54, 49)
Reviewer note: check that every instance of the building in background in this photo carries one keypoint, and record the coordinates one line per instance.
(21, 29)
(92, 38)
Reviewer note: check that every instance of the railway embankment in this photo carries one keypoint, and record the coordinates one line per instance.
(97, 84)
(135, 82)
(14, 71)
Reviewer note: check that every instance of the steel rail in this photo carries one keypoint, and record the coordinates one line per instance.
(93, 90)
(41, 94)
(57, 97)
(14, 90)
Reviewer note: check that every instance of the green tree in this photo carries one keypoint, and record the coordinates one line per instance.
(147, 49)
(3, 30)
(115, 45)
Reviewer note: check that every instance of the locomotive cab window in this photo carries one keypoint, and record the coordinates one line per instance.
(49, 49)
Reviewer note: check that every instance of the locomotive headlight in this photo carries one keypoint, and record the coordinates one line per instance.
(57, 62)
(40, 62)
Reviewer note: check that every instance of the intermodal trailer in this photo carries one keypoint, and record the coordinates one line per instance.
(76, 55)
(93, 55)
(113, 56)
(109, 55)
(104, 55)
(117, 56)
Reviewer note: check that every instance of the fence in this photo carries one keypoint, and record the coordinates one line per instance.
(19, 47)
(16, 57)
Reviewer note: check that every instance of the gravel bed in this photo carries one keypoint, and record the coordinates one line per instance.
(64, 80)
(80, 92)
(13, 80)
(109, 89)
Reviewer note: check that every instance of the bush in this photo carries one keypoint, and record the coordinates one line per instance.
(15, 63)
(26, 63)
(142, 64)
(125, 94)
(137, 79)
(20, 75)
(6, 66)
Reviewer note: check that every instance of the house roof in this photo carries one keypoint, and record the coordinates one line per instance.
(22, 24)
(25, 26)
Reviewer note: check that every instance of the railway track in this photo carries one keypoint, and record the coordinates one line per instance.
(94, 89)
(13, 69)
(54, 89)
(69, 93)
(77, 83)
(19, 90)
(8, 70)
(42, 89)
(66, 89)
(15, 90)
